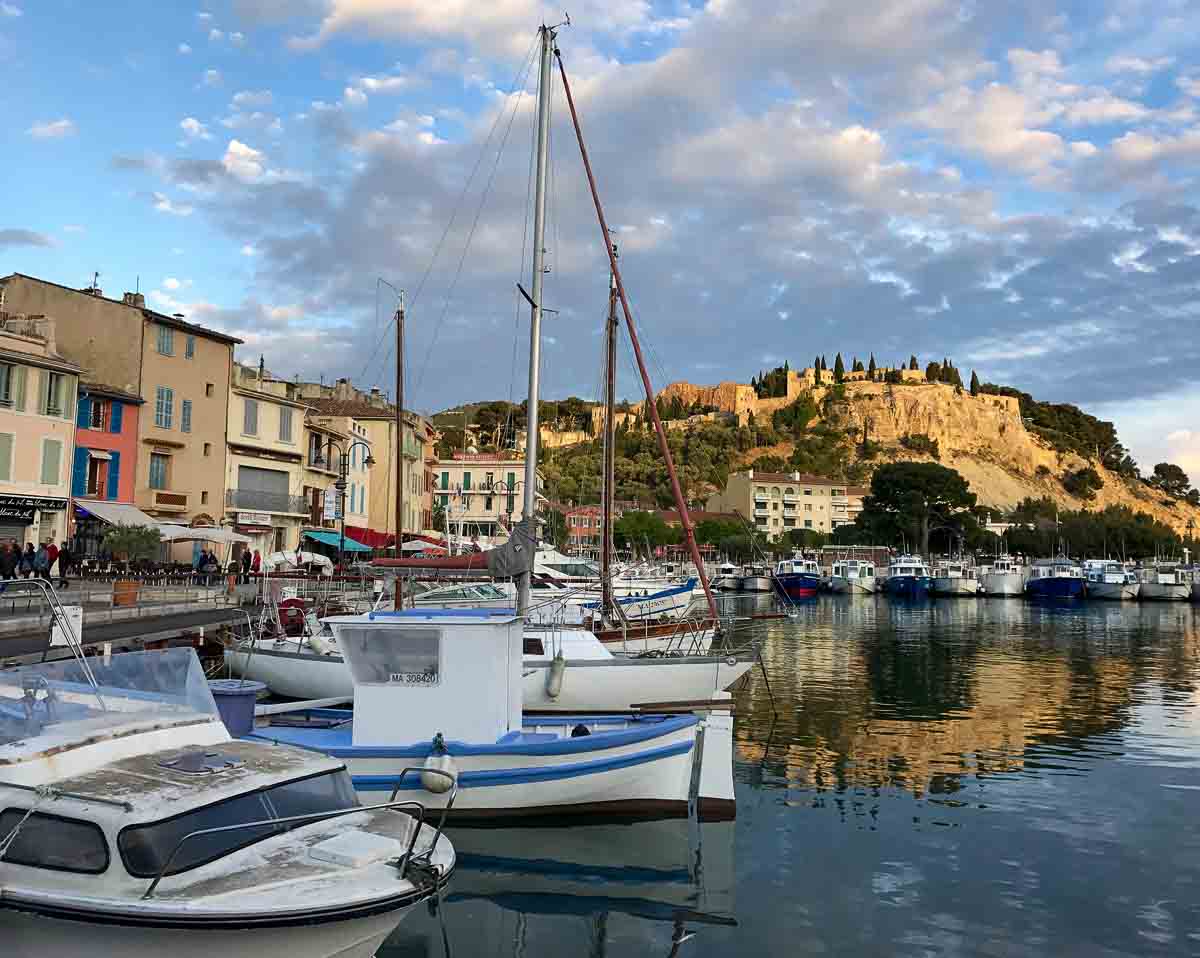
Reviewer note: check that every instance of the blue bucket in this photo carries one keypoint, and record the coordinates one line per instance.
(235, 701)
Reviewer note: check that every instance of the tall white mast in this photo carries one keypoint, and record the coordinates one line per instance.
(529, 509)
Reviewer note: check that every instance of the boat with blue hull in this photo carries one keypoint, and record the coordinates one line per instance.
(908, 578)
(798, 578)
(1055, 580)
(440, 691)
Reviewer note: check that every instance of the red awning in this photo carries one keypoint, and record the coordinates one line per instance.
(369, 537)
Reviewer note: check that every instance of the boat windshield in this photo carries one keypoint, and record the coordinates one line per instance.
(53, 705)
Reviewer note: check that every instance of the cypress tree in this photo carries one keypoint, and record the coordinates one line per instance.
(912, 362)
(817, 364)
(839, 369)
(974, 383)
(871, 367)
(933, 372)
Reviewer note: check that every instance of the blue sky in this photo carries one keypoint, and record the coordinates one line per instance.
(1012, 185)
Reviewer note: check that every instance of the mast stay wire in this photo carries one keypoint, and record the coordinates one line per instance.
(518, 83)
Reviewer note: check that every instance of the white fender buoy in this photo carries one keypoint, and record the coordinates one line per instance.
(554, 678)
(318, 645)
(439, 760)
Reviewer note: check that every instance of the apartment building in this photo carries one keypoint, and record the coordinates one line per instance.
(181, 370)
(585, 525)
(37, 430)
(779, 502)
(482, 493)
(351, 452)
(105, 465)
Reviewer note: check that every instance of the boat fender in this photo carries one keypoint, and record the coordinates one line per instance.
(731, 661)
(554, 677)
(439, 760)
(318, 644)
(579, 731)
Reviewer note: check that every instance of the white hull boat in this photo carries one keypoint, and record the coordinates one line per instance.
(1165, 591)
(1114, 591)
(853, 577)
(955, 586)
(1003, 583)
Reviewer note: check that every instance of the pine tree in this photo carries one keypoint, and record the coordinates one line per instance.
(974, 383)
(817, 375)
(839, 369)
(785, 367)
(871, 367)
(824, 364)
(817, 364)
(933, 372)
(912, 362)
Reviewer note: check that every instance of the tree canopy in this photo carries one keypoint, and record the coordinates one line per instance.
(638, 531)
(912, 498)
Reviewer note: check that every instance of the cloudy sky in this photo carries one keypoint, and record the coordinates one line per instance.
(1010, 184)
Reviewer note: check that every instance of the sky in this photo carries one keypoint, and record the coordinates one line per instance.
(1012, 185)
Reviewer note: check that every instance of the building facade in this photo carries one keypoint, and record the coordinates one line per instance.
(777, 503)
(481, 494)
(38, 390)
(106, 460)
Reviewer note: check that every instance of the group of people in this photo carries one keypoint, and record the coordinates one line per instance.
(207, 564)
(30, 563)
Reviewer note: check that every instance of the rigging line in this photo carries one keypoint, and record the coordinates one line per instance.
(522, 71)
(487, 189)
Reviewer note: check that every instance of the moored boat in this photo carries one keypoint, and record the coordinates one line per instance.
(1165, 582)
(955, 577)
(755, 578)
(1109, 579)
(908, 577)
(853, 577)
(1004, 577)
(727, 578)
(798, 578)
(1057, 580)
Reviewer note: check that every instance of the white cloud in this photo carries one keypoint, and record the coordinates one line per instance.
(251, 99)
(244, 162)
(237, 39)
(385, 84)
(1127, 64)
(1103, 108)
(9, 10)
(352, 96)
(1189, 85)
(1179, 435)
(164, 204)
(171, 283)
(249, 250)
(204, 16)
(184, 48)
(214, 35)
(52, 129)
(211, 78)
(193, 129)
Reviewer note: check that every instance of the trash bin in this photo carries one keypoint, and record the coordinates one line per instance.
(235, 701)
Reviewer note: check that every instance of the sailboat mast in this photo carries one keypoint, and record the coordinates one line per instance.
(399, 589)
(529, 507)
(610, 388)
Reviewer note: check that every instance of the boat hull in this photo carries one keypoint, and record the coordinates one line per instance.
(799, 585)
(908, 586)
(843, 586)
(755, 583)
(1003, 583)
(956, 585)
(1056, 589)
(638, 638)
(1114, 591)
(1165, 592)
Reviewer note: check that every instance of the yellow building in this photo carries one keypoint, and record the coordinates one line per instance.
(778, 502)
(37, 431)
(481, 493)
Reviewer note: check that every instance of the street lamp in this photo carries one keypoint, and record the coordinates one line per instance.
(344, 452)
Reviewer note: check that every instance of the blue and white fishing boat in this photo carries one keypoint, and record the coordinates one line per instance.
(1058, 580)
(1004, 576)
(1109, 579)
(908, 577)
(798, 578)
(1165, 582)
(667, 603)
(442, 689)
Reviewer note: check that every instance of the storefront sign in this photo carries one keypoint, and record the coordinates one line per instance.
(331, 505)
(22, 508)
(253, 519)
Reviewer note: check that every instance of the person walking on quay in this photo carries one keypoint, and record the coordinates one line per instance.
(245, 566)
(64, 565)
(52, 555)
(41, 562)
(256, 563)
(10, 558)
(27, 561)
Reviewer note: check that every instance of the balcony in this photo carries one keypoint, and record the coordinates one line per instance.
(176, 501)
(252, 500)
(760, 513)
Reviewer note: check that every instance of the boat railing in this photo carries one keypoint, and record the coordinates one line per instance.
(309, 819)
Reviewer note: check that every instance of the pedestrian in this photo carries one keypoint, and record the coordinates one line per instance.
(9, 557)
(52, 555)
(27, 561)
(64, 565)
(245, 566)
(41, 562)
(256, 563)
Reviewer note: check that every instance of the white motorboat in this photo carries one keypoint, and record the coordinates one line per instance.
(1108, 579)
(595, 680)
(853, 577)
(133, 825)
(1005, 577)
(444, 688)
(756, 578)
(727, 577)
(1165, 582)
(955, 577)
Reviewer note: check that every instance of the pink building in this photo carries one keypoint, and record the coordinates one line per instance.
(104, 470)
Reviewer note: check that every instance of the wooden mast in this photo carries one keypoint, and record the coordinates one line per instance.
(399, 589)
(607, 605)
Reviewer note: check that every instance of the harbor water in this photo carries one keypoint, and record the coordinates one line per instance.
(952, 777)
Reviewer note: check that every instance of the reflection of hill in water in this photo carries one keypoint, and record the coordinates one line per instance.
(919, 696)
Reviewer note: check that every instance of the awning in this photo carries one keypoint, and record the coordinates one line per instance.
(174, 533)
(99, 454)
(369, 537)
(334, 539)
(115, 513)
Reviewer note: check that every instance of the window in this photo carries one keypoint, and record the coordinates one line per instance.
(487, 504)
(146, 848)
(189, 347)
(808, 492)
(164, 406)
(250, 418)
(7, 371)
(808, 507)
(489, 480)
(837, 492)
(353, 457)
(208, 390)
(95, 481)
(466, 481)
(59, 844)
(96, 414)
(445, 481)
(185, 416)
(285, 424)
(208, 449)
(204, 497)
(158, 470)
(6, 451)
(53, 403)
(166, 341)
(51, 461)
(807, 523)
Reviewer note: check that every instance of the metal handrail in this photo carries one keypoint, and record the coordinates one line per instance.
(312, 817)
(51, 792)
(449, 802)
(59, 614)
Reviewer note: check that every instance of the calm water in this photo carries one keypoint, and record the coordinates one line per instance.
(961, 778)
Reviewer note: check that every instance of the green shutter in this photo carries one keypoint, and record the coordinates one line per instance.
(6, 445)
(19, 376)
(51, 461)
(70, 387)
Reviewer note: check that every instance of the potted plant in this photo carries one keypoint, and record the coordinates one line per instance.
(130, 543)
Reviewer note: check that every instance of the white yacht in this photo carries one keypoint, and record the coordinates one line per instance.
(1166, 582)
(1108, 579)
(1005, 577)
(955, 577)
(726, 578)
(755, 578)
(133, 825)
(853, 577)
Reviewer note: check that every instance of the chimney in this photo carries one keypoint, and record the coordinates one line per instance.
(262, 367)
(137, 300)
(178, 316)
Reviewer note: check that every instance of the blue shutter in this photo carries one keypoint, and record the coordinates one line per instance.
(114, 472)
(114, 416)
(83, 412)
(79, 473)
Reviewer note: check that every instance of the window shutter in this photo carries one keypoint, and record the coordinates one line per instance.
(6, 445)
(20, 374)
(83, 419)
(70, 386)
(79, 472)
(114, 416)
(114, 481)
(51, 461)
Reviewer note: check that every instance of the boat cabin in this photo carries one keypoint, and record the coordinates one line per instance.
(1055, 569)
(798, 566)
(853, 569)
(908, 566)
